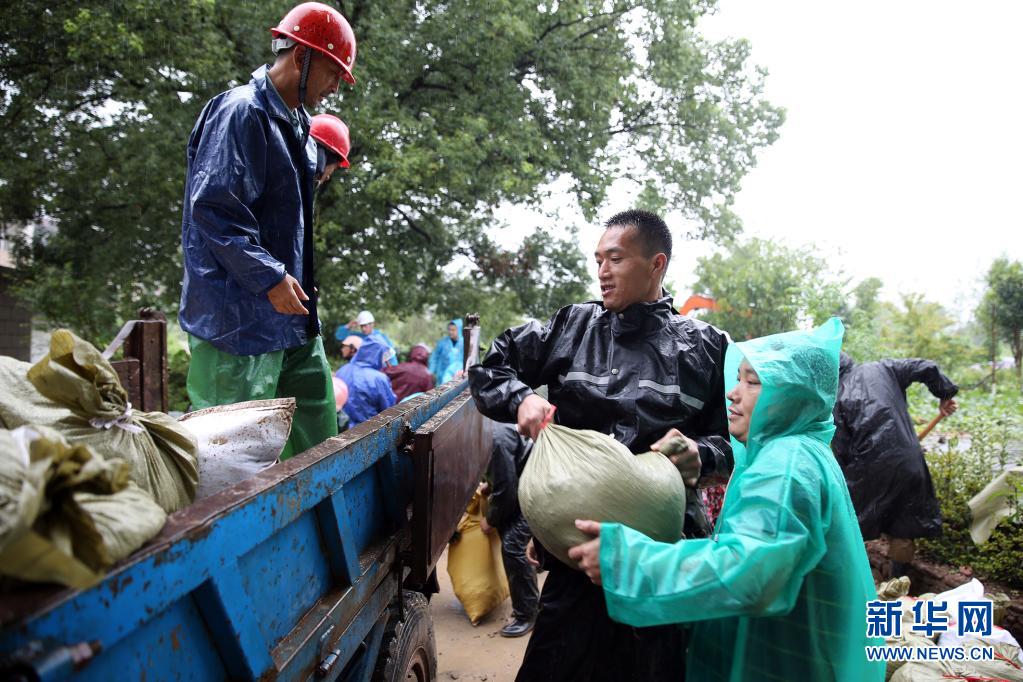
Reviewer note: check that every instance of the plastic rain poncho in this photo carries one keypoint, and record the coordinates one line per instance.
(447, 353)
(780, 590)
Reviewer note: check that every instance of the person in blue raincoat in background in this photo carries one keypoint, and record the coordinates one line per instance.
(248, 300)
(369, 389)
(365, 325)
(447, 353)
(780, 590)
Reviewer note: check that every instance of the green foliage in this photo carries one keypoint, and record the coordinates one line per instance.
(460, 106)
(984, 437)
(762, 287)
(1002, 307)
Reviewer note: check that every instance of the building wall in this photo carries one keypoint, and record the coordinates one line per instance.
(15, 321)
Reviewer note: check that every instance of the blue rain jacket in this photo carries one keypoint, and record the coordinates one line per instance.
(369, 389)
(246, 208)
(445, 354)
(342, 333)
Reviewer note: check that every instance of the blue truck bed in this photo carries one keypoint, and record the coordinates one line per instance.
(293, 574)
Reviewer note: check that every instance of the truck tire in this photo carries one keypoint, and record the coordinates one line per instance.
(409, 651)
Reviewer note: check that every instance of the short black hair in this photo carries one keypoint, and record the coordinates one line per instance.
(653, 231)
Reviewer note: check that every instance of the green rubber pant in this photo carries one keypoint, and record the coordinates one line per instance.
(219, 378)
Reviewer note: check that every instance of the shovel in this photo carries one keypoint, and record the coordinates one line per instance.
(930, 427)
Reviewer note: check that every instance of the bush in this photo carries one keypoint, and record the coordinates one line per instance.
(981, 441)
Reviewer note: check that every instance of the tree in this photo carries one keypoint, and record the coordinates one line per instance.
(460, 106)
(1003, 306)
(762, 288)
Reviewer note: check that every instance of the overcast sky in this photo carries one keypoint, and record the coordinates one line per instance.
(902, 146)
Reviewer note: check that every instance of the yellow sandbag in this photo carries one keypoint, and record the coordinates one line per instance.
(475, 565)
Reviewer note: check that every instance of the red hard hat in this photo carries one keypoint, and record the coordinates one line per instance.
(332, 133)
(322, 28)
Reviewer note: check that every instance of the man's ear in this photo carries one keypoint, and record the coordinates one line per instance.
(661, 264)
(297, 55)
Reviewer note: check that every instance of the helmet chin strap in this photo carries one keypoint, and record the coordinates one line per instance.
(302, 83)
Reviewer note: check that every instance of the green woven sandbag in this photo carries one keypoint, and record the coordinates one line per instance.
(578, 474)
(75, 390)
(67, 515)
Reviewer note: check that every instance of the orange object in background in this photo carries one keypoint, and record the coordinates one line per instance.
(697, 302)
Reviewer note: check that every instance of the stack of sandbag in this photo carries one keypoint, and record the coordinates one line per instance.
(1007, 650)
(579, 474)
(237, 441)
(475, 564)
(76, 391)
(67, 515)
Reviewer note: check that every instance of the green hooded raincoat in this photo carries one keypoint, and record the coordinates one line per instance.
(780, 591)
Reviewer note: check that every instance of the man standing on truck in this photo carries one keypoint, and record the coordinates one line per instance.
(631, 366)
(248, 301)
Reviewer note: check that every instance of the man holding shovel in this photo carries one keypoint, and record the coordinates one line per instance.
(880, 453)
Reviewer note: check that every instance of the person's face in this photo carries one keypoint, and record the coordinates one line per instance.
(327, 172)
(347, 351)
(367, 329)
(452, 332)
(744, 397)
(626, 274)
(324, 78)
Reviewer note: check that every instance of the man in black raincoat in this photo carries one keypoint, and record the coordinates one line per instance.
(880, 454)
(629, 366)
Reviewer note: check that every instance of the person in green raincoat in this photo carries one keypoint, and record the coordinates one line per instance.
(779, 591)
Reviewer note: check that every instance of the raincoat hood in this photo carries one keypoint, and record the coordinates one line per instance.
(371, 352)
(799, 382)
(845, 363)
(780, 591)
(419, 354)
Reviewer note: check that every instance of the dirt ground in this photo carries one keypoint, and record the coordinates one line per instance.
(465, 652)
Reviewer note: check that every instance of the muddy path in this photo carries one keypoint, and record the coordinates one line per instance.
(465, 652)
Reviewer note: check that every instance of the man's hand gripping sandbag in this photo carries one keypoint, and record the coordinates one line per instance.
(580, 474)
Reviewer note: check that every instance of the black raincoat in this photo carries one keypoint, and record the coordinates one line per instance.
(635, 375)
(877, 447)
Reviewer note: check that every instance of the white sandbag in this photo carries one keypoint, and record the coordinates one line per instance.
(238, 441)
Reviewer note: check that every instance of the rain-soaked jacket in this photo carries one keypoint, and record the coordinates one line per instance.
(247, 207)
(878, 449)
(412, 376)
(445, 354)
(780, 591)
(369, 389)
(635, 374)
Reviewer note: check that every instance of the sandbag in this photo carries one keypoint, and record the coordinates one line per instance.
(475, 565)
(893, 589)
(67, 515)
(75, 390)
(994, 503)
(237, 441)
(580, 474)
(908, 640)
(1006, 666)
